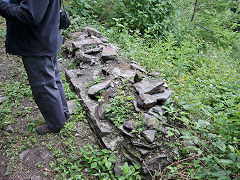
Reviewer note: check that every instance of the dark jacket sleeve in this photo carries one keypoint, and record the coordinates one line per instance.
(28, 12)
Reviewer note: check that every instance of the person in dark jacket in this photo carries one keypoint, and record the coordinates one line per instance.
(33, 33)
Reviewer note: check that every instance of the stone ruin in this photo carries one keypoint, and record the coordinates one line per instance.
(97, 59)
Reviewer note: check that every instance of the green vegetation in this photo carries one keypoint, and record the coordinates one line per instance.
(120, 109)
(196, 51)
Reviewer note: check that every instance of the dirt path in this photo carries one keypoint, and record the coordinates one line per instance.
(23, 153)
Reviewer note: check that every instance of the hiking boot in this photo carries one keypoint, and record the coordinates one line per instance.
(43, 129)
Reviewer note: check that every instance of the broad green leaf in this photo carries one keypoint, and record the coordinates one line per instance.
(105, 151)
(108, 164)
(170, 133)
(232, 156)
(94, 165)
(225, 162)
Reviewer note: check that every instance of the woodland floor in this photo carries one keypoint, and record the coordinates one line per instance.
(23, 153)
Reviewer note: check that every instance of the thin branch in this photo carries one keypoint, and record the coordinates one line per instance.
(204, 27)
(193, 157)
(148, 169)
(194, 10)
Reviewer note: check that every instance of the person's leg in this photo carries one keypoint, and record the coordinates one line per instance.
(43, 82)
(60, 87)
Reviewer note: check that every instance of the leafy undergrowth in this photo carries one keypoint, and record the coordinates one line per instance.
(75, 152)
(206, 84)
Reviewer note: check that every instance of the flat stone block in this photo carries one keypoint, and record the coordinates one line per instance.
(149, 86)
(71, 106)
(149, 135)
(92, 32)
(92, 91)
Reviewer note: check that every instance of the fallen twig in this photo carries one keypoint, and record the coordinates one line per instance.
(148, 169)
(186, 159)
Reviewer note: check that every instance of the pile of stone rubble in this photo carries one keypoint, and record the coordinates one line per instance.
(97, 58)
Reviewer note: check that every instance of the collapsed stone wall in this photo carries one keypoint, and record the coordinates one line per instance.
(96, 57)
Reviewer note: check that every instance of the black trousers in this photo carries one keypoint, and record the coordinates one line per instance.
(47, 89)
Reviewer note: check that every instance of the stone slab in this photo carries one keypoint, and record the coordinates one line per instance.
(146, 101)
(163, 96)
(108, 53)
(151, 122)
(92, 32)
(125, 132)
(149, 86)
(129, 125)
(104, 127)
(2, 99)
(85, 43)
(93, 90)
(71, 106)
(111, 141)
(149, 135)
(137, 67)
